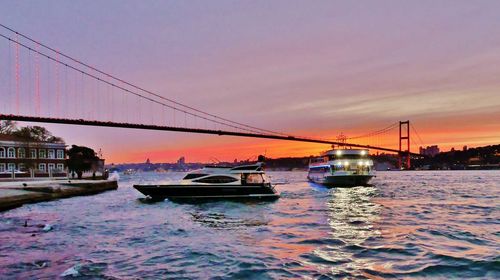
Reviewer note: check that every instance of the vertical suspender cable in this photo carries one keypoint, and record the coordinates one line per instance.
(18, 77)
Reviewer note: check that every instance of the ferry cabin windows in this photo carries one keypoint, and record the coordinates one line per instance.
(52, 154)
(2, 167)
(21, 153)
(356, 166)
(60, 154)
(11, 152)
(320, 169)
(2, 152)
(21, 167)
(52, 166)
(42, 167)
(60, 167)
(33, 153)
(42, 153)
(11, 167)
(216, 180)
(345, 166)
(345, 156)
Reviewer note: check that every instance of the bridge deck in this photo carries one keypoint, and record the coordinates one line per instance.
(190, 130)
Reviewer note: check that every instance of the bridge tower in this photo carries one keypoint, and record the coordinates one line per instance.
(404, 125)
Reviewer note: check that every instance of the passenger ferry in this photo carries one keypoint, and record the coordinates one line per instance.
(341, 168)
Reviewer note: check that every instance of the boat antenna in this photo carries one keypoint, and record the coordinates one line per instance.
(342, 138)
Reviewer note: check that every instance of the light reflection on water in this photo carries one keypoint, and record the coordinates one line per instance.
(408, 225)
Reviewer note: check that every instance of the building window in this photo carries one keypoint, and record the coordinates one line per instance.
(60, 167)
(52, 166)
(60, 154)
(11, 167)
(2, 152)
(33, 153)
(41, 167)
(42, 153)
(21, 153)
(52, 153)
(11, 152)
(21, 167)
(2, 167)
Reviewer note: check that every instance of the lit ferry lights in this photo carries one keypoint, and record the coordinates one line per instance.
(341, 168)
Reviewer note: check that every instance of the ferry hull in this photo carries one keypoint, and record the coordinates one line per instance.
(343, 181)
(190, 192)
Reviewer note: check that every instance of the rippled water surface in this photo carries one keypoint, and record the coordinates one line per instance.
(409, 225)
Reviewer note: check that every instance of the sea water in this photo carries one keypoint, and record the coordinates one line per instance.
(420, 224)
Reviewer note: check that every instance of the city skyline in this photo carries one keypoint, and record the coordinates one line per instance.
(316, 70)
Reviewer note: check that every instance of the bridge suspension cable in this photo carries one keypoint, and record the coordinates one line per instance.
(374, 133)
(221, 120)
(53, 87)
(231, 124)
(416, 133)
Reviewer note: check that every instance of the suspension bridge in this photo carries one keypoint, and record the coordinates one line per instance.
(39, 83)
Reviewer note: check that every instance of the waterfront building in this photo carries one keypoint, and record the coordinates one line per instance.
(429, 150)
(20, 157)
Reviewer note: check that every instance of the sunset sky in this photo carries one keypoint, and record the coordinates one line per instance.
(314, 68)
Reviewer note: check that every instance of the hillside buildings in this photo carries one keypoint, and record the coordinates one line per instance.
(431, 151)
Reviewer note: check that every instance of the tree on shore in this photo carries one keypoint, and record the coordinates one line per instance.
(36, 134)
(81, 159)
(7, 127)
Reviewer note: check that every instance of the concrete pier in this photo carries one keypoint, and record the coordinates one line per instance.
(18, 193)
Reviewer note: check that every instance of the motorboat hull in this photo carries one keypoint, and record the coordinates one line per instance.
(343, 180)
(177, 192)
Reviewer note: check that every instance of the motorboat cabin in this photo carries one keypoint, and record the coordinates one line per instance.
(216, 182)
